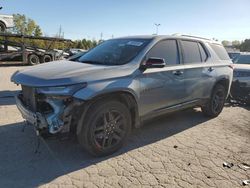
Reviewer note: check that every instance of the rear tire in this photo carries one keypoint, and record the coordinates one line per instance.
(46, 58)
(216, 102)
(105, 127)
(33, 59)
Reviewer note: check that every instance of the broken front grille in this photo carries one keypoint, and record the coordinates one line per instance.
(29, 97)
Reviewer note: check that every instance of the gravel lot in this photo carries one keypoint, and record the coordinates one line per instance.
(184, 149)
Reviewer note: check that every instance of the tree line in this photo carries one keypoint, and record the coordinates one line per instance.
(243, 46)
(27, 26)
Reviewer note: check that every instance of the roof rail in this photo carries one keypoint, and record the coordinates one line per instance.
(195, 37)
(178, 34)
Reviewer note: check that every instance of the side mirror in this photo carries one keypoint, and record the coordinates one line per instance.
(153, 62)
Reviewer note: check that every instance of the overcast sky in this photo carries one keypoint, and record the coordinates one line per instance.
(220, 19)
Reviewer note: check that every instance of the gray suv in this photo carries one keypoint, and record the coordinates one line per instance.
(121, 83)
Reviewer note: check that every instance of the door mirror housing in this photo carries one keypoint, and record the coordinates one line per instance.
(153, 62)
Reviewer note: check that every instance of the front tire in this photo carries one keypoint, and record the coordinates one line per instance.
(216, 102)
(105, 128)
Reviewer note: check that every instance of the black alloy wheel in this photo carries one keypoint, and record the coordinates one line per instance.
(215, 104)
(105, 127)
(109, 129)
(218, 100)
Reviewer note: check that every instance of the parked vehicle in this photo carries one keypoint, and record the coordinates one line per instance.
(6, 21)
(240, 90)
(73, 51)
(77, 56)
(11, 50)
(61, 53)
(121, 83)
(242, 58)
(233, 55)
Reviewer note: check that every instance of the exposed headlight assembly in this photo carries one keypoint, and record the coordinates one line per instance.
(61, 90)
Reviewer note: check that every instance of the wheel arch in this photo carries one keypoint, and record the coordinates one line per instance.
(224, 81)
(126, 97)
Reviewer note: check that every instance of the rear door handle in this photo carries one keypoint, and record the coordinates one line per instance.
(210, 69)
(177, 72)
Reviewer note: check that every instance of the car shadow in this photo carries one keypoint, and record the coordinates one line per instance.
(21, 166)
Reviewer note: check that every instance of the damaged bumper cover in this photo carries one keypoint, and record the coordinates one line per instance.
(59, 120)
(31, 117)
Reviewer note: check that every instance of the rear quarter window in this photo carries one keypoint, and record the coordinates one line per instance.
(220, 51)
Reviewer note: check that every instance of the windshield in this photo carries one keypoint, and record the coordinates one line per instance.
(115, 51)
(243, 59)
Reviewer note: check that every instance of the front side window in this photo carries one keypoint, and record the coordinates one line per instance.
(191, 52)
(115, 51)
(166, 50)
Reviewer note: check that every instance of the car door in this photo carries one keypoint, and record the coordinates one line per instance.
(161, 88)
(196, 75)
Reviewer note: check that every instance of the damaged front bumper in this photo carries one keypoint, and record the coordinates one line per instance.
(59, 119)
(33, 118)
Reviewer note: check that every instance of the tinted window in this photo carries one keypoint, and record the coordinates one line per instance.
(115, 51)
(167, 50)
(233, 55)
(203, 52)
(243, 59)
(191, 52)
(220, 51)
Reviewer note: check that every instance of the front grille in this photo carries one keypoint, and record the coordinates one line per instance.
(29, 97)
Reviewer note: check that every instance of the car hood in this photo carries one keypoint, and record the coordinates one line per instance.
(242, 67)
(65, 72)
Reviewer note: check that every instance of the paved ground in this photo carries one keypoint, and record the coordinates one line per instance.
(180, 150)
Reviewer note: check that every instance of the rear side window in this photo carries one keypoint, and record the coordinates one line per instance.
(167, 50)
(191, 52)
(220, 51)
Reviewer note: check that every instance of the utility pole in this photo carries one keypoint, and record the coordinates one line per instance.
(101, 36)
(157, 25)
(60, 32)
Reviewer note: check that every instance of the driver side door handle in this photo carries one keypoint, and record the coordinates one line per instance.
(210, 69)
